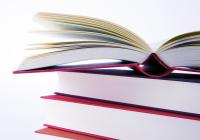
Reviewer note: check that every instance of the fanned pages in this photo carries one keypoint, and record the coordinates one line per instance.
(93, 25)
(100, 39)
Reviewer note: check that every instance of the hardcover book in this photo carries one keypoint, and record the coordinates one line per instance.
(116, 121)
(67, 134)
(178, 92)
(100, 39)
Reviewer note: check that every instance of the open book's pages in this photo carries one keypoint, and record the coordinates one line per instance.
(100, 39)
(131, 89)
(118, 121)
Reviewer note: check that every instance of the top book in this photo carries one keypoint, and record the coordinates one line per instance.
(102, 39)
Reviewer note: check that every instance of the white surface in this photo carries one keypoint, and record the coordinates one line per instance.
(153, 20)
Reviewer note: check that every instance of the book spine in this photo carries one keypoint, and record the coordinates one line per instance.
(154, 67)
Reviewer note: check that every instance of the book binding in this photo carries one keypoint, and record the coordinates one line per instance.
(152, 67)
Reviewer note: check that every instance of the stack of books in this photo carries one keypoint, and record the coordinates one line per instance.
(134, 93)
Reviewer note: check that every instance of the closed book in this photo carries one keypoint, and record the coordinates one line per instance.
(117, 121)
(66, 134)
(180, 92)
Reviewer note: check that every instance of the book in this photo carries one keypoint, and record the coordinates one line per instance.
(68, 134)
(42, 134)
(116, 121)
(179, 92)
(99, 39)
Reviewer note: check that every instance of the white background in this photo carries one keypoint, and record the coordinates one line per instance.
(20, 106)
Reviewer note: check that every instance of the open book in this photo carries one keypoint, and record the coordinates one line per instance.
(101, 39)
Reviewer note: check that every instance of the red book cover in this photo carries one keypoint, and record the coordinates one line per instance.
(71, 134)
(151, 67)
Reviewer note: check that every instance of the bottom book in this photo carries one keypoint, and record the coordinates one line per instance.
(46, 134)
(109, 120)
(66, 134)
